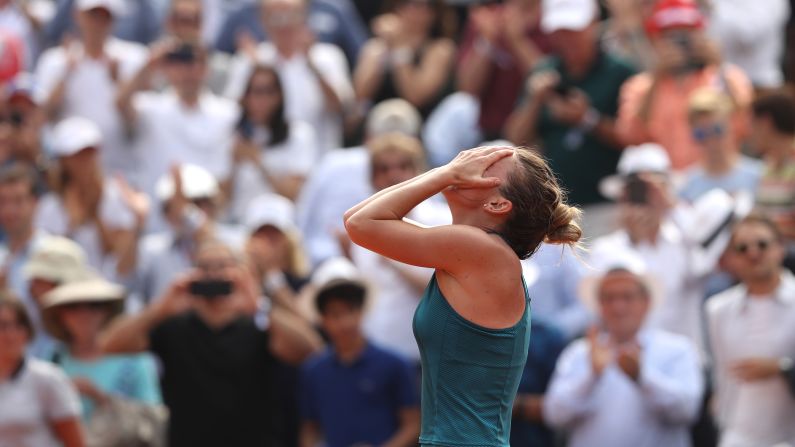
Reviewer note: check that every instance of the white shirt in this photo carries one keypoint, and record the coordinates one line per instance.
(751, 35)
(31, 401)
(670, 261)
(612, 410)
(758, 413)
(91, 93)
(388, 322)
(296, 156)
(169, 133)
(14, 21)
(303, 95)
(51, 216)
(340, 181)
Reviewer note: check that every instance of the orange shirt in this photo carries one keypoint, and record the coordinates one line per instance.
(667, 122)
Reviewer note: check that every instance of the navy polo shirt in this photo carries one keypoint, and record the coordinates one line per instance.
(357, 402)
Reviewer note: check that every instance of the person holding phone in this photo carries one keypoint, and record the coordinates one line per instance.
(219, 346)
(654, 103)
(473, 323)
(569, 107)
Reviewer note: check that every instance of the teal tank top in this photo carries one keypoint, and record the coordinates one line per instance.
(470, 374)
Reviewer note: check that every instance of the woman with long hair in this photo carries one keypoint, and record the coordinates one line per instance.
(103, 215)
(473, 322)
(410, 57)
(272, 154)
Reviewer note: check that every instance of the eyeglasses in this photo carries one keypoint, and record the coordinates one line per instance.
(704, 133)
(761, 244)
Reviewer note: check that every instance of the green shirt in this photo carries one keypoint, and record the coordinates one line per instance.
(470, 374)
(578, 158)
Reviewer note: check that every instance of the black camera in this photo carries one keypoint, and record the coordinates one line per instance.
(210, 288)
(183, 53)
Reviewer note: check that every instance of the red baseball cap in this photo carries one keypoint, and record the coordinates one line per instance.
(669, 14)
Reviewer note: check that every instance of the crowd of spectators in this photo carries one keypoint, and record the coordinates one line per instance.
(173, 175)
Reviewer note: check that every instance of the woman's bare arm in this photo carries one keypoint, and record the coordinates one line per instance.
(377, 223)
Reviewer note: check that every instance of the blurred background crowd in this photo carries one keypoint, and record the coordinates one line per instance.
(173, 176)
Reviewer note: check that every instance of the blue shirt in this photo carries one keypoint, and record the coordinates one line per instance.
(548, 343)
(744, 177)
(335, 22)
(128, 376)
(358, 402)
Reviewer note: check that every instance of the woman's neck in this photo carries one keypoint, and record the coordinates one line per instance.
(721, 164)
(86, 349)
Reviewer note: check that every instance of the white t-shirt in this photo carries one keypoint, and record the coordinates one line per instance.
(51, 216)
(168, 133)
(297, 155)
(388, 321)
(91, 93)
(751, 35)
(31, 401)
(13, 20)
(304, 100)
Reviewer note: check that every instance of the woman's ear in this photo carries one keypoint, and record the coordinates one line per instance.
(498, 206)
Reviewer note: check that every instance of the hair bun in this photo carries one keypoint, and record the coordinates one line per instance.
(563, 227)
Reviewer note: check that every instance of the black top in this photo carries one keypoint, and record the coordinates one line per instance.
(218, 384)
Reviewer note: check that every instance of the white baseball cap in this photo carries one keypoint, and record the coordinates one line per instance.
(74, 134)
(394, 115)
(114, 7)
(197, 183)
(270, 209)
(573, 15)
(646, 157)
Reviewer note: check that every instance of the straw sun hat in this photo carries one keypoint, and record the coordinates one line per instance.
(89, 291)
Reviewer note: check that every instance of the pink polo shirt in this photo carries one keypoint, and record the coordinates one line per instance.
(667, 123)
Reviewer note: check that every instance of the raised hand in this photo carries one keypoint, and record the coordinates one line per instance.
(601, 353)
(466, 170)
(628, 360)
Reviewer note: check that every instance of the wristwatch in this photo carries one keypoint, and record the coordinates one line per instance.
(590, 120)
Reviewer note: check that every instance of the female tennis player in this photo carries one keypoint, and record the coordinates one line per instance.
(473, 323)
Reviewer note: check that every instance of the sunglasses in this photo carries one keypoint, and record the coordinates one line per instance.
(761, 244)
(705, 133)
(15, 119)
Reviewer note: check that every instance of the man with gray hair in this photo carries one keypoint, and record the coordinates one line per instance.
(626, 385)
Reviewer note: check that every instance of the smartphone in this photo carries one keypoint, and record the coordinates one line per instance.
(210, 288)
(637, 190)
